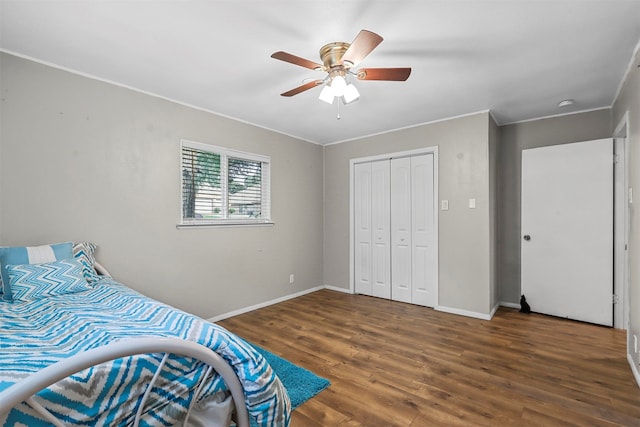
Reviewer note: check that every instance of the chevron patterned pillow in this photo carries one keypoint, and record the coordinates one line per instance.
(37, 281)
(17, 255)
(84, 252)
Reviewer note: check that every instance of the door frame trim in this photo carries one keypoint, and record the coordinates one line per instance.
(621, 284)
(388, 156)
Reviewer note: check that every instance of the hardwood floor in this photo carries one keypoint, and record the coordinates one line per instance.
(395, 364)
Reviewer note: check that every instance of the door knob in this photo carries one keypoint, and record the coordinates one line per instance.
(527, 237)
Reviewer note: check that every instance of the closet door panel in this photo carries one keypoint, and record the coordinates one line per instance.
(380, 223)
(362, 224)
(396, 230)
(424, 244)
(401, 229)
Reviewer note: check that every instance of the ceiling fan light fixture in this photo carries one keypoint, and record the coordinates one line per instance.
(339, 85)
(338, 61)
(350, 94)
(327, 94)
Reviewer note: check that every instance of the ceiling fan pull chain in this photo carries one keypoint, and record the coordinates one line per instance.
(338, 116)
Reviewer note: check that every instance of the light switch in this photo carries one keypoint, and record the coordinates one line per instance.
(444, 205)
(472, 203)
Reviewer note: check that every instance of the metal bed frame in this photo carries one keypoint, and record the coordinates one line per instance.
(26, 389)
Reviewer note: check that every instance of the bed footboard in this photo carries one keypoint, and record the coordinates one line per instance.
(24, 390)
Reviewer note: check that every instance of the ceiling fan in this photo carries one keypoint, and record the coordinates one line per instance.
(339, 60)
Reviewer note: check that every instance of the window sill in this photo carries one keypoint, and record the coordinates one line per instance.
(226, 224)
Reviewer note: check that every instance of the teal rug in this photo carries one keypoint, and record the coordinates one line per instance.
(300, 383)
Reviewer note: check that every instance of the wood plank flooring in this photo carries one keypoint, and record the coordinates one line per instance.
(395, 364)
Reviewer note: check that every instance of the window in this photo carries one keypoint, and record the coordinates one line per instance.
(223, 186)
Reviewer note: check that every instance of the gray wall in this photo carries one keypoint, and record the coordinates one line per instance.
(464, 234)
(86, 160)
(515, 138)
(629, 100)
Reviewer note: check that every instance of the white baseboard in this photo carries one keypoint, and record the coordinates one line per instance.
(634, 369)
(464, 312)
(493, 310)
(510, 304)
(337, 289)
(263, 304)
(347, 291)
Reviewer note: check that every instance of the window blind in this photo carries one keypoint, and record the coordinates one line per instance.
(223, 186)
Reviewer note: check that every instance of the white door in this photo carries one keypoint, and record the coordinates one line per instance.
(567, 230)
(372, 229)
(362, 225)
(380, 227)
(424, 261)
(401, 229)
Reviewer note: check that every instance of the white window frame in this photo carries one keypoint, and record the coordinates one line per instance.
(225, 154)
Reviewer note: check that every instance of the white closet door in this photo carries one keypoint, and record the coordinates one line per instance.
(380, 224)
(362, 224)
(401, 229)
(424, 255)
(395, 236)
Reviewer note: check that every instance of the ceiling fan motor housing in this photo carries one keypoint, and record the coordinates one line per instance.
(332, 53)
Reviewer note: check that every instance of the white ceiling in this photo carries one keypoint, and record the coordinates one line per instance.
(516, 58)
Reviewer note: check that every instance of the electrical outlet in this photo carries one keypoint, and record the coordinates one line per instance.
(292, 278)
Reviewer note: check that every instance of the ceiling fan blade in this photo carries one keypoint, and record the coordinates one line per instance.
(361, 46)
(302, 88)
(393, 74)
(287, 57)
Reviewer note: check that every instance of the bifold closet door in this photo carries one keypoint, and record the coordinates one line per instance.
(424, 249)
(362, 225)
(380, 224)
(413, 236)
(372, 223)
(401, 229)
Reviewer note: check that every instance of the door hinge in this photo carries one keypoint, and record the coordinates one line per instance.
(616, 158)
(615, 299)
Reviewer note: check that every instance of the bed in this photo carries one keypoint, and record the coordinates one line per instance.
(138, 361)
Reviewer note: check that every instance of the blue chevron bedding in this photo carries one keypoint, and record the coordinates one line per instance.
(35, 334)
